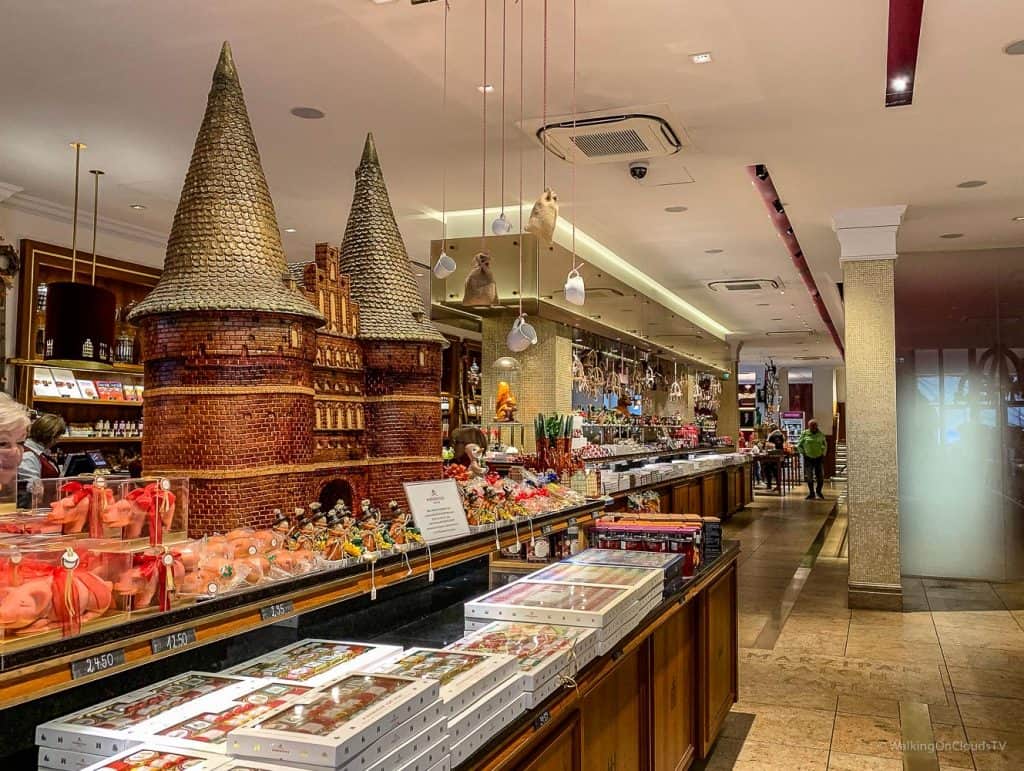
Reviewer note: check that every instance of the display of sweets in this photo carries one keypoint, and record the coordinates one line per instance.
(464, 676)
(670, 564)
(587, 605)
(492, 498)
(546, 652)
(644, 579)
(354, 722)
(113, 725)
(314, 662)
(207, 727)
(158, 758)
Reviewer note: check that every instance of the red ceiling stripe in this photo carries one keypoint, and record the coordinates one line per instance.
(901, 63)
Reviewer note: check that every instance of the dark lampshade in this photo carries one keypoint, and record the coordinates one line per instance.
(79, 322)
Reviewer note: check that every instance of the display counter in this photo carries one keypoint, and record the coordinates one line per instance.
(658, 701)
(655, 699)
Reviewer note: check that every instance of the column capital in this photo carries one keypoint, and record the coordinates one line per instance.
(868, 233)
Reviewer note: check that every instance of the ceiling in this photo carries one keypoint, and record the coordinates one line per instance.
(797, 86)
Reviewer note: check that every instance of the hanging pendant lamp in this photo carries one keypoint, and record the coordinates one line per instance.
(79, 316)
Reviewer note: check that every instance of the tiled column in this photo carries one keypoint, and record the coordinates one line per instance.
(867, 238)
(545, 379)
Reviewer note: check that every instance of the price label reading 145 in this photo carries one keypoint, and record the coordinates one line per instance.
(100, 662)
(173, 641)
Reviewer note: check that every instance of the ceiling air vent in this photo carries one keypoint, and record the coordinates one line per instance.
(809, 358)
(747, 285)
(611, 138)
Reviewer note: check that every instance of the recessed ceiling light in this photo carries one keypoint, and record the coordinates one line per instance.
(973, 183)
(382, 2)
(713, 251)
(900, 84)
(1018, 219)
(289, 230)
(952, 235)
(486, 88)
(309, 113)
(701, 58)
(137, 206)
(1016, 48)
(775, 319)
(675, 209)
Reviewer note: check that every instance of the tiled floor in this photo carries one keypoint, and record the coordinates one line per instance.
(938, 686)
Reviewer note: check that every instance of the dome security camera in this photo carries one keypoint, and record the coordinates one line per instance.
(638, 170)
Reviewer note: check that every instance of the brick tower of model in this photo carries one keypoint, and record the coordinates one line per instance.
(270, 395)
(401, 347)
(228, 343)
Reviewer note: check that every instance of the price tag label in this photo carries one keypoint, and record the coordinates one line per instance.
(571, 521)
(277, 610)
(572, 531)
(100, 662)
(173, 641)
(541, 720)
(547, 529)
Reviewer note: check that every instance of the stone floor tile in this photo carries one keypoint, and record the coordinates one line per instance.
(991, 712)
(995, 750)
(982, 637)
(988, 682)
(852, 704)
(755, 756)
(792, 726)
(983, 658)
(863, 646)
(989, 619)
(951, 746)
(827, 643)
(867, 735)
(844, 761)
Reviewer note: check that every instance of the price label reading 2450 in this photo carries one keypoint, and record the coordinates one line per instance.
(100, 662)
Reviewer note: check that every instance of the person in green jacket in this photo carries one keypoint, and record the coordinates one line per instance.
(812, 445)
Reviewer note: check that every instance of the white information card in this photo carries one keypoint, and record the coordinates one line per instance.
(437, 510)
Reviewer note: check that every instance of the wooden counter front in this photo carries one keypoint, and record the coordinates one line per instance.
(656, 703)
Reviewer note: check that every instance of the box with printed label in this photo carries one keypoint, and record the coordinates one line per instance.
(643, 579)
(464, 676)
(330, 726)
(545, 651)
(66, 760)
(483, 709)
(108, 727)
(205, 725)
(671, 565)
(587, 605)
(462, 750)
(315, 662)
(149, 757)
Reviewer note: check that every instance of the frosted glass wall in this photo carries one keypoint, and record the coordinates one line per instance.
(960, 405)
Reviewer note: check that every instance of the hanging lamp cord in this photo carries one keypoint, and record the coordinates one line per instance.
(444, 120)
(504, 23)
(522, 116)
(575, 213)
(483, 187)
(544, 100)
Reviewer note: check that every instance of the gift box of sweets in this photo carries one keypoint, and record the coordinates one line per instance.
(157, 758)
(112, 726)
(464, 676)
(315, 662)
(332, 726)
(529, 601)
(205, 727)
(671, 565)
(643, 579)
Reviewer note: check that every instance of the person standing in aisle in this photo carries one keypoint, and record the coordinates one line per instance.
(812, 445)
(775, 442)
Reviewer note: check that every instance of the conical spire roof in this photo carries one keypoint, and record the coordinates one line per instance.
(374, 258)
(224, 251)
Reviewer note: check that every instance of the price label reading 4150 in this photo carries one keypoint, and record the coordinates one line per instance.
(173, 641)
(100, 662)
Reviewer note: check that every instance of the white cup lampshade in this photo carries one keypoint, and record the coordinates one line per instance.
(521, 336)
(575, 292)
(444, 266)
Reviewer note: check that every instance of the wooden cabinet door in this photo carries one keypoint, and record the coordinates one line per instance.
(718, 649)
(612, 724)
(673, 692)
(696, 505)
(561, 752)
(680, 499)
(712, 486)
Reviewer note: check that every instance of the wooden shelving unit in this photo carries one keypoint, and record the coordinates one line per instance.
(90, 402)
(100, 440)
